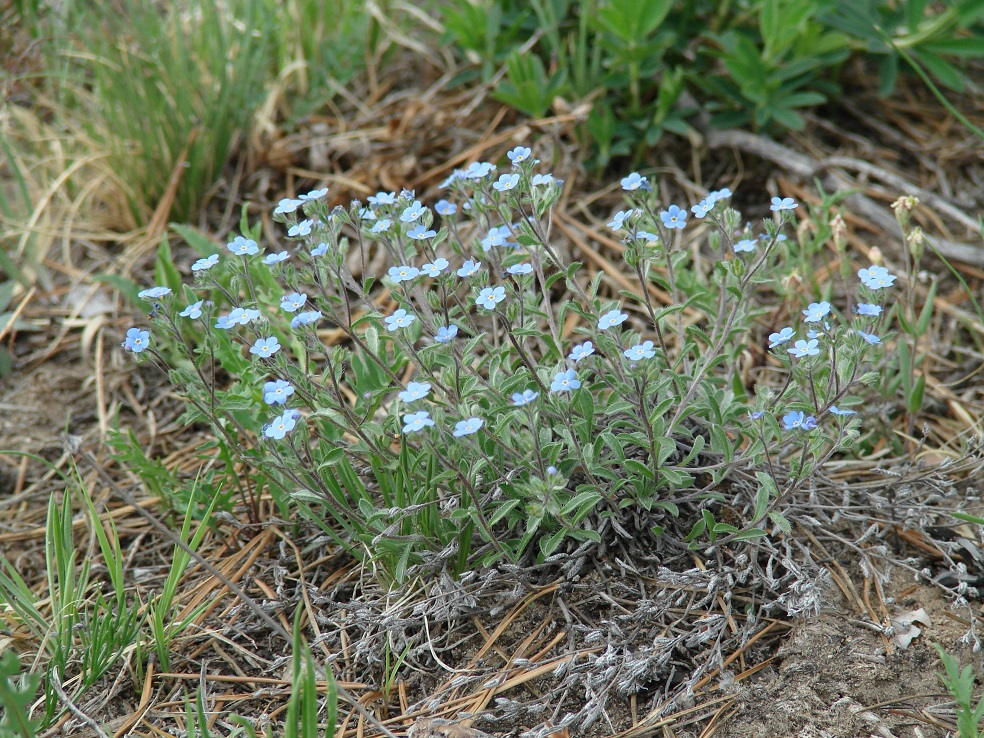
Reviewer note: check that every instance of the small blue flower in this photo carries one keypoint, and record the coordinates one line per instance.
(417, 421)
(469, 268)
(618, 222)
(783, 203)
(309, 318)
(717, 195)
(611, 318)
(400, 319)
(243, 246)
(293, 302)
(277, 392)
(506, 182)
(443, 207)
(136, 340)
(551, 470)
(154, 292)
(381, 226)
(445, 334)
(193, 311)
(282, 425)
(837, 411)
(301, 229)
(403, 273)
(865, 308)
(581, 351)
(815, 312)
(434, 269)
(870, 338)
(479, 170)
(674, 217)
(271, 259)
(702, 208)
(876, 277)
(777, 339)
(756, 414)
(489, 297)
(520, 269)
(265, 347)
(497, 236)
(805, 348)
(746, 245)
(320, 250)
(421, 233)
(524, 398)
(239, 316)
(543, 179)
(287, 206)
(519, 154)
(367, 214)
(382, 198)
(649, 238)
(565, 381)
(415, 391)
(413, 212)
(467, 427)
(203, 265)
(794, 419)
(634, 181)
(313, 195)
(640, 351)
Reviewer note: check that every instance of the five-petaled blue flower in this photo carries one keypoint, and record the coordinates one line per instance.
(265, 347)
(544, 179)
(506, 182)
(403, 273)
(837, 411)
(320, 250)
(301, 229)
(565, 381)
(243, 246)
(805, 348)
(445, 334)
(611, 318)
(520, 153)
(520, 268)
(702, 208)
(287, 205)
(876, 277)
(479, 170)
(815, 312)
(381, 226)
(239, 316)
(154, 292)
(413, 212)
(777, 339)
(282, 425)
(382, 198)
(640, 351)
(722, 194)
(469, 268)
(467, 427)
(293, 302)
(618, 221)
(746, 244)
(277, 392)
(489, 297)
(205, 264)
(674, 217)
(443, 207)
(136, 340)
(649, 238)
(798, 419)
(783, 203)
(634, 181)
(417, 421)
(271, 259)
(582, 351)
(309, 318)
(314, 194)
(865, 308)
(400, 319)
(870, 338)
(434, 269)
(193, 311)
(524, 398)
(421, 233)
(415, 391)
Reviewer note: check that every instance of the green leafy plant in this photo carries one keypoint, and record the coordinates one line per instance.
(960, 683)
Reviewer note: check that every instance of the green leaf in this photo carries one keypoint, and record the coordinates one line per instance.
(780, 521)
(915, 400)
(201, 243)
(927, 311)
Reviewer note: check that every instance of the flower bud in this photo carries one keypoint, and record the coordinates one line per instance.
(917, 244)
(903, 209)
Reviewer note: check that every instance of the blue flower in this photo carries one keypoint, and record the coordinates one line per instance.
(876, 277)
(777, 339)
(489, 297)
(320, 250)
(446, 334)
(381, 226)
(420, 233)
(400, 319)
(443, 207)
(308, 318)
(417, 421)
(582, 351)
(783, 203)
(543, 179)
(382, 198)
(611, 318)
(551, 470)
(154, 292)
(239, 316)
(649, 238)
(281, 426)
(674, 217)
(815, 312)
(618, 222)
(506, 182)
(794, 419)
(520, 269)
(434, 269)
(314, 195)
(640, 351)
(467, 427)
(367, 214)
(805, 348)
(271, 259)
(870, 338)
(702, 208)
(756, 414)
(277, 392)
(479, 170)
(634, 181)
(524, 398)
(717, 195)
(205, 264)
(193, 311)
(415, 391)
(265, 347)
(413, 212)
(565, 381)
(837, 411)
(243, 246)
(136, 340)
(497, 236)
(469, 268)
(293, 302)
(519, 154)
(746, 244)
(301, 229)
(403, 273)
(287, 206)
(865, 308)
